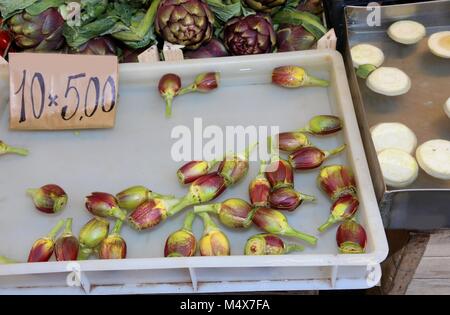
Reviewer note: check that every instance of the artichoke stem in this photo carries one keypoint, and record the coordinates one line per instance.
(335, 151)
(312, 81)
(208, 223)
(84, 253)
(7, 261)
(18, 151)
(327, 224)
(68, 227)
(32, 192)
(293, 248)
(118, 213)
(185, 202)
(117, 227)
(188, 89)
(249, 218)
(169, 100)
(307, 197)
(300, 235)
(147, 22)
(187, 224)
(152, 195)
(56, 229)
(249, 150)
(213, 208)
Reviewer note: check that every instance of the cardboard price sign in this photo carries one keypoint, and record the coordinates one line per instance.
(56, 91)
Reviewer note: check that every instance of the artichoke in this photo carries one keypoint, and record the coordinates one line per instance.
(311, 6)
(41, 32)
(185, 22)
(249, 35)
(265, 6)
(214, 48)
(102, 46)
(294, 37)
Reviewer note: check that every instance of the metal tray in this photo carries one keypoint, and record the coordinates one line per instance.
(423, 204)
(137, 151)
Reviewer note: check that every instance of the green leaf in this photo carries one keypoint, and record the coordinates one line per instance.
(39, 7)
(224, 11)
(292, 4)
(10, 7)
(77, 36)
(307, 20)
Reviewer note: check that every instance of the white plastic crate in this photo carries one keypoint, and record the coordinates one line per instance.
(137, 151)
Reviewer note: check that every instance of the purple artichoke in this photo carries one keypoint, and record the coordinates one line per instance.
(98, 46)
(249, 35)
(185, 22)
(265, 6)
(42, 32)
(214, 48)
(311, 6)
(294, 37)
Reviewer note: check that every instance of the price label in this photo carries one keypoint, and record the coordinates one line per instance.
(57, 91)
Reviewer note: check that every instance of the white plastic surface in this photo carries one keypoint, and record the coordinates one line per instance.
(137, 151)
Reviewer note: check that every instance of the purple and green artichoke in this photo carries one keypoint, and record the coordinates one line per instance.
(264, 6)
(249, 35)
(185, 22)
(293, 38)
(41, 32)
(102, 46)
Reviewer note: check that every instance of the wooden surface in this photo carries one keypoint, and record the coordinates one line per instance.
(432, 275)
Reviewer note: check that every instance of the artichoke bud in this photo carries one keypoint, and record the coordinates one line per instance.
(351, 238)
(67, 246)
(203, 189)
(7, 149)
(43, 248)
(342, 209)
(336, 181)
(235, 167)
(48, 198)
(311, 157)
(194, 170)
(233, 213)
(169, 86)
(182, 243)
(113, 246)
(323, 125)
(151, 213)
(295, 77)
(286, 198)
(259, 189)
(281, 174)
(130, 198)
(213, 242)
(269, 244)
(93, 232)
(104, 205)
(292, 141)
(274, 222)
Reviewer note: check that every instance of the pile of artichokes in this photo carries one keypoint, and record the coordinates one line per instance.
(205, 28)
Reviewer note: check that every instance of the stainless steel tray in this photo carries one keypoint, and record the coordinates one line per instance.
(425, 203)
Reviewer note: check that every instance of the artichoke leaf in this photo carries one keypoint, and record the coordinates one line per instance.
(309, 21)
(9, 8)
(39, 7)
